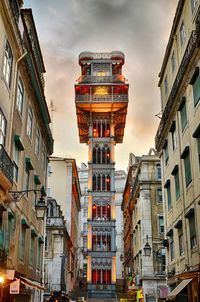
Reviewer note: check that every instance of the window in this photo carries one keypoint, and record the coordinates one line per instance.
(30, 122)
(193, 236)
(159, 195)
(101, 128)
(195, 82)
(85, 212)
(193, 4)
(31, 256)
(174, 139)
(171, 245)
(37, 142)
(39, 255)
(44, 158)
(2, 128)
(186, 157)
(196, 135)
(183, 113)
(166, 153)
(177, 186)
(22, 242)
(166, 85)
(173, 62)
(161, 224)
(198, 148)
(15, 162)
(180, 241)
(20, 95)
(158, 172)
(26, 179)
(11, 229)
(101, 182)
(101, 155)
(169, 199)
(182, 34)
(176, 180)
(7, 64)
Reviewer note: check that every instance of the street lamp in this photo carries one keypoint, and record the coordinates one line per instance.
(40, 208)
(147, 248)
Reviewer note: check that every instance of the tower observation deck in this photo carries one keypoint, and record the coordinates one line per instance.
(101, 97)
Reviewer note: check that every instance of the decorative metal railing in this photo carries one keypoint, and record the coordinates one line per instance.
(102, 98)
(118, 78)
(6, 164)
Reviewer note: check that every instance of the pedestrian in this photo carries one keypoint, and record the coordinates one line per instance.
(80, 284)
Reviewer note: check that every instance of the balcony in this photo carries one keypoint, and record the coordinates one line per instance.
(118, 78)
(6, 169)
(98, 98)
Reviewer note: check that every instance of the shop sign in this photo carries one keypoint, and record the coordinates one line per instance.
(14, 287)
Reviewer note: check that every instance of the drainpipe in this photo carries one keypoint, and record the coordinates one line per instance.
(13, 100)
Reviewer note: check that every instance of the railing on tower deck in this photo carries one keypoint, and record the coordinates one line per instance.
(102, 98)
(101, 55)
(6, 164)
(118, 78)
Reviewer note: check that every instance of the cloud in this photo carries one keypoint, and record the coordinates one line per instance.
(139, 28)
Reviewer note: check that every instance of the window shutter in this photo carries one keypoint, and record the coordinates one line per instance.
(188, 176)
(196, 90)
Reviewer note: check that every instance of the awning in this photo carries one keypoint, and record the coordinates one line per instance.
(178, 289)
(30, 283)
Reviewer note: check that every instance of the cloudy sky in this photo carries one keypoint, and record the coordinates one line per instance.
(139, 28)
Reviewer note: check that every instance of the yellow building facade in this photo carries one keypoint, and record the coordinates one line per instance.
(178, 141)
(25, 143)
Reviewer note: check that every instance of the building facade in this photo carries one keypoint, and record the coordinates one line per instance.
(120, 177)
(101, 98)
(178, 141)
(67, 192)
(25, 143)
(144, 228)
(57, 253)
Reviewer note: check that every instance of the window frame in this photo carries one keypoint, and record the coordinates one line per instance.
(173, 62)
(7, 64)
(3, 128)
(29, 128)
(20, 95)
(182, 34)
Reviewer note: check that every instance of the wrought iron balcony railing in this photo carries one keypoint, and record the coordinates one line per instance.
(101, 98)
(118, 78)
(6, 164)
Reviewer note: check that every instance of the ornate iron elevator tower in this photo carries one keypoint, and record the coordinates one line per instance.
(101, 97)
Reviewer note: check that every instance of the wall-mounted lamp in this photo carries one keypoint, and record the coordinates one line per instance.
(147, 248)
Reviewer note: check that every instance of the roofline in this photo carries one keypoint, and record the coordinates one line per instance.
(29, 11)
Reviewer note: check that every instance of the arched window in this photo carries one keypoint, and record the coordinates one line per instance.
(94, 212)
(103, 128)
(98, 182)
(103, 155)
(103, 182)
(94, 181)
(99, 128)
(108, 183)
(107, 131)
(99, 156)
(94, 155)
(95, 129)
(107, 156)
